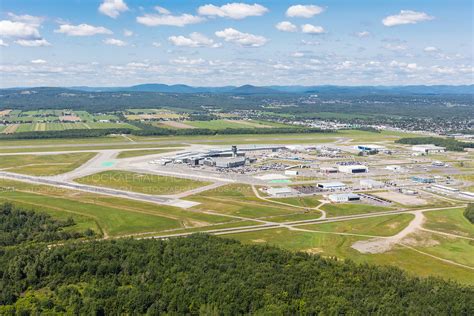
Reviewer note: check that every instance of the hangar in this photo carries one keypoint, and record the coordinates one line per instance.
(353, 168)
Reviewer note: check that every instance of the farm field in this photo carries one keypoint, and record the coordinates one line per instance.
(44, 165)
(141, 183)
(223, 124)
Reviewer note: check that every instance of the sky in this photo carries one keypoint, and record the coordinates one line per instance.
(216, 43)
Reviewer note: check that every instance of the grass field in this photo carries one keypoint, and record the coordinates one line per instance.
(139, 153)
(303, 201)
(330, 245)
(342, 209)
(449, 221)
(141, 183)
(377, 226)
(44, 165)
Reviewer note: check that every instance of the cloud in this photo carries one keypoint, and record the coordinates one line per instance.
(33, 42)
(406, 17)
(312, 29)
(243, 39)
(187, 61)
(168, 19)
(18, 30)
(297, 54)
(38, 61)
(362, 34)
(233, 10)
(113, 8)
(3, 43)
(82, 30)
(162, 10)
(26, 18)
(194, 40)
(395, 47)
(286, 26)
(430, 49)
(127, 33)
(156, 44)
(303, 11)
(115, 42)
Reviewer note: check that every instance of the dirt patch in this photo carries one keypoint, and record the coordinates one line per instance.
(194, 223)
(11, 129)
(258, 240)
(5, 112)
(69, 118)
(175, 124)
(313, 251)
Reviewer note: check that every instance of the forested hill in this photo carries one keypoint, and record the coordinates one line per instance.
(211, 276)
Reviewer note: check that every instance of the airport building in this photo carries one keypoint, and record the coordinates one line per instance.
(341, 198)
(353, 168)
(422, 179)
(370, 148)
(428, 149)
(331, 185)
(370, 184)
(280, 191)
(229, 162)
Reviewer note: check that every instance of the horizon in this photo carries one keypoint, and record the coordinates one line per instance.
(120, 43)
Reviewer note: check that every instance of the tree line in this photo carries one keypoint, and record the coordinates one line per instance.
(469, 213)
(208, 275)
(450, 143)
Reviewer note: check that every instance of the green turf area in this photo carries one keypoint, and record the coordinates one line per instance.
(303, 201)
(141, 183)
(450, 221)
(216, 124)
(239, 200)
(375, 226)
(331, 245)
(298, 216)
(44, 165)
(342, 209)
(139, 153)
(114, 216)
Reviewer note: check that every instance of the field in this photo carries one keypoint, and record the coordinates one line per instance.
(342, 209)
(44, 165)
(449, 221)
(141, 183)
(138, 153)
(223, 124)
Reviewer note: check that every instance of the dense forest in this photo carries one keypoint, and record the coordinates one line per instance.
(469, 213)
(450, 143)
(19, 225)
(211, 276)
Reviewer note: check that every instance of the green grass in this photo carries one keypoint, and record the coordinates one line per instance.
(376, 226)
(216, 124)
(330, 245)
(44, 165)
(140, 182)
(449, 221)
(304, 201)
(139, 153)
(342, 209)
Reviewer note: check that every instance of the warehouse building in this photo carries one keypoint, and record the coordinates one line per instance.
(370, 184)
(341, 198)
(353, 168)
(422, 179)
(428, 149)
(328, 170)
(280, 191)
(331, 185)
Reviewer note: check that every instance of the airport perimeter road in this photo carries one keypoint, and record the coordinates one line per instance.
(99, 190)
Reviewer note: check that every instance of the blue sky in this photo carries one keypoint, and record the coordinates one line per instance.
(214, 43)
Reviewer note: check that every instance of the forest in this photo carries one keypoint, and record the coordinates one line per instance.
(209, 275)
(450, 143)
(19, 225)
(469, 213)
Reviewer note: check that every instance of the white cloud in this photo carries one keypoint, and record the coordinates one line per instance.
(156, 44)
(194, 40)
(363, 34)
(18, 30)
(286, 26)
(3, 43)
(26, 18)
(304, 11)
(312, 29)
(187, 61)
(82, 30)
(233, 10)
(430, 49)
(115, 42)
(297, 54)
(162, 10)
(33, 42)
(395, 47)
(243, 39)
(38, 61)
(137, 65)
(170, 20)
(127, 33)
(113, 8)
(406, 17)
